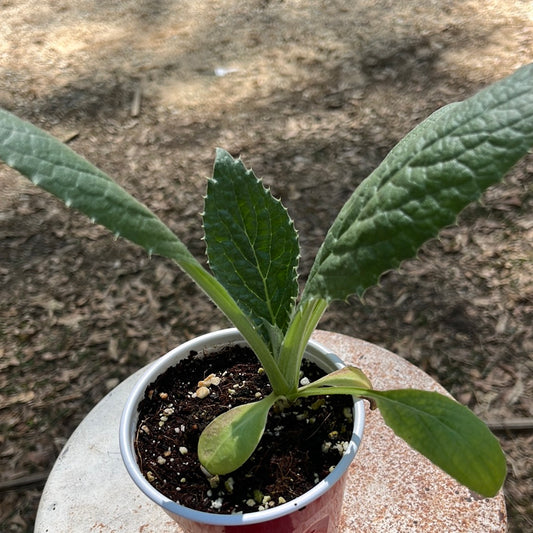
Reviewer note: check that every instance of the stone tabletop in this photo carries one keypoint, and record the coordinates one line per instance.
(390, 487)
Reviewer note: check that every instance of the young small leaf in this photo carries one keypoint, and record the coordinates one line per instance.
(229, 440)
(426, 180)
(252, 245)
(448, 434)
(345, 379)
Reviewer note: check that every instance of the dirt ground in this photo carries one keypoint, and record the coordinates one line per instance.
(312, 95)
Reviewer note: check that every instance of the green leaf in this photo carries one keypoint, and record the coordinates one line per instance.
(54, 167)
(229, 440)
(448, 434)
(303, 323)
(346, 380)
(252, 245)
(421, 186)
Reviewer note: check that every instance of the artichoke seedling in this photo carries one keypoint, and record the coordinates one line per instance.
(441, 166)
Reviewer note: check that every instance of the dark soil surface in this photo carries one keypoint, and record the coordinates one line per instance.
(312, 95)
(300, 444)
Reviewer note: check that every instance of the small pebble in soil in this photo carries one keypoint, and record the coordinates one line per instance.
(209, 380)
(217, 504)
(202, 392)
(229, 484)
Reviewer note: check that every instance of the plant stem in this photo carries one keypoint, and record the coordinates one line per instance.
(293, 346)
(228, 306)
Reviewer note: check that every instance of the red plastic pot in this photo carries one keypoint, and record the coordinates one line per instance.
(316, 511)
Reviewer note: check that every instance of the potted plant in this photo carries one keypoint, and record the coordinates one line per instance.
(426, 180)
(247, 490)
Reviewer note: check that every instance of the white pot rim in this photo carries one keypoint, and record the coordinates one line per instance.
(129, 420)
